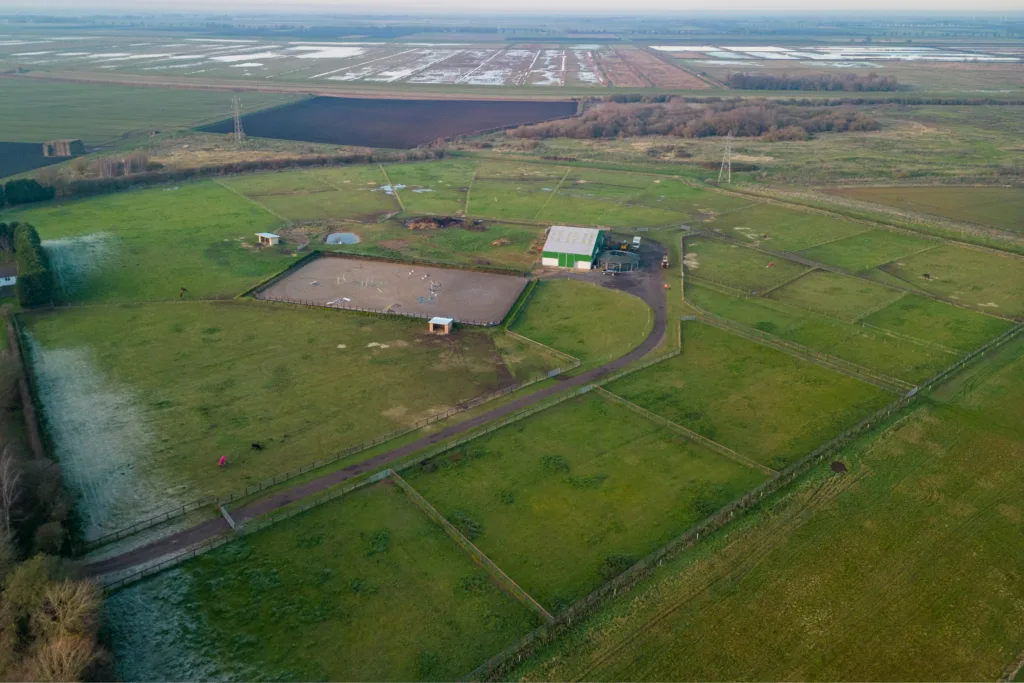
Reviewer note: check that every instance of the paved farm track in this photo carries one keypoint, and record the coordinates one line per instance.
(646, 285)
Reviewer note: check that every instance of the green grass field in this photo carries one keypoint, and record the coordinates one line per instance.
(786, 229)
(839, 296)
(433, 187)
(907, 357)
(746, 270)
(904, 569)
(938, 322)
(726, 387)
(183, 384)
(867, 250)
(572, 496)
(382, 595)
(35, 111)
(997, 207)
(590, 322)
(146, 245)
(981, 279)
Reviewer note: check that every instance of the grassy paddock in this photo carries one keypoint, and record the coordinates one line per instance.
(731, 265)
(759, 401)
(570, 497)
(867, 250)
(781, 228)
(839, 296)
(197, 381)
(386, 595)
(980, 279)
(590, 322)
(938, 322)
(904, 569)
(998, 207)
(146, 245)
(899, 357)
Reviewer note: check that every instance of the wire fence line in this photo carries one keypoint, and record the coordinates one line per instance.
(503, 579)
(143, 524)
(688, 433)
(805, 352)
(561, 354)
(501, 663)
(520, 304)
(278, 479)
(334, 306)
(172, 561)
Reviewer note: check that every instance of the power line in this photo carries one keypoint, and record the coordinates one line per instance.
(239, 133)
(726, 169)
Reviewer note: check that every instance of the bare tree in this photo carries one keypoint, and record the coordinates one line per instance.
(10, 489)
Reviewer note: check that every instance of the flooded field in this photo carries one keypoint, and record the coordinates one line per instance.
(389, 123)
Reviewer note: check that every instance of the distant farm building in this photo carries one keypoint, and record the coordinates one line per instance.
(8, 275)
(268, 239)
(63, 148)
(440, 325)
(568, 247)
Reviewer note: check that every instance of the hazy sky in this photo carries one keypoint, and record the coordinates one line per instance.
(519, 6)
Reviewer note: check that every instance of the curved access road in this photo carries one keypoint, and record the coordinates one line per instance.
(647, 285)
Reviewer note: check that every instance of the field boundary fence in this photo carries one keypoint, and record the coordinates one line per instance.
(500, 664)
(277, 479)
(149, 522)
(642, 366)
(806, 353)
(26, 390)
(791, 256)
(172, 561)
(475, 268)
(688, 433)
(492, 427)
(263, 284)
(380, 312)
(560, 354)
(478, 557)
(520, 303)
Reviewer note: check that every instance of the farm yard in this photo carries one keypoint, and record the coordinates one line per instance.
(662, 495)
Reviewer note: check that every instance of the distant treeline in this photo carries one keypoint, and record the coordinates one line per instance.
(35, 280)
(871, 82)
(65, 185)
(762, 119)
(820, 101)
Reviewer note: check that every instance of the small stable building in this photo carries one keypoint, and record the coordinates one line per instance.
(569, 247)
(268, 239)
(441, 326)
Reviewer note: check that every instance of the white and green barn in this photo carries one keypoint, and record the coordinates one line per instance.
(569, 247)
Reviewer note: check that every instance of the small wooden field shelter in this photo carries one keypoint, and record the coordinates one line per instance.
(440, 325)
(268, 239)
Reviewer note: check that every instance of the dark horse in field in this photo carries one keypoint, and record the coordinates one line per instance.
(257, 446)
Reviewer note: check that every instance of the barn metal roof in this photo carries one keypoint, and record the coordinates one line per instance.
(268, 235)
(566, 239)
(441, 321)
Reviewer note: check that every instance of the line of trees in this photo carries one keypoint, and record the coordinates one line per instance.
(35, 284)
(24, 191)
(870, 82)
(49, 619)
(677, 117)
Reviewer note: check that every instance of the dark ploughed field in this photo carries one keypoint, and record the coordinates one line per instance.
(18, 157)
(398, 124)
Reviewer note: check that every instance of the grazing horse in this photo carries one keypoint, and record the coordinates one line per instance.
(257, 446)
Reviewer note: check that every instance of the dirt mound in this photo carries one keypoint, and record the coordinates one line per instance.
(437, 222)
